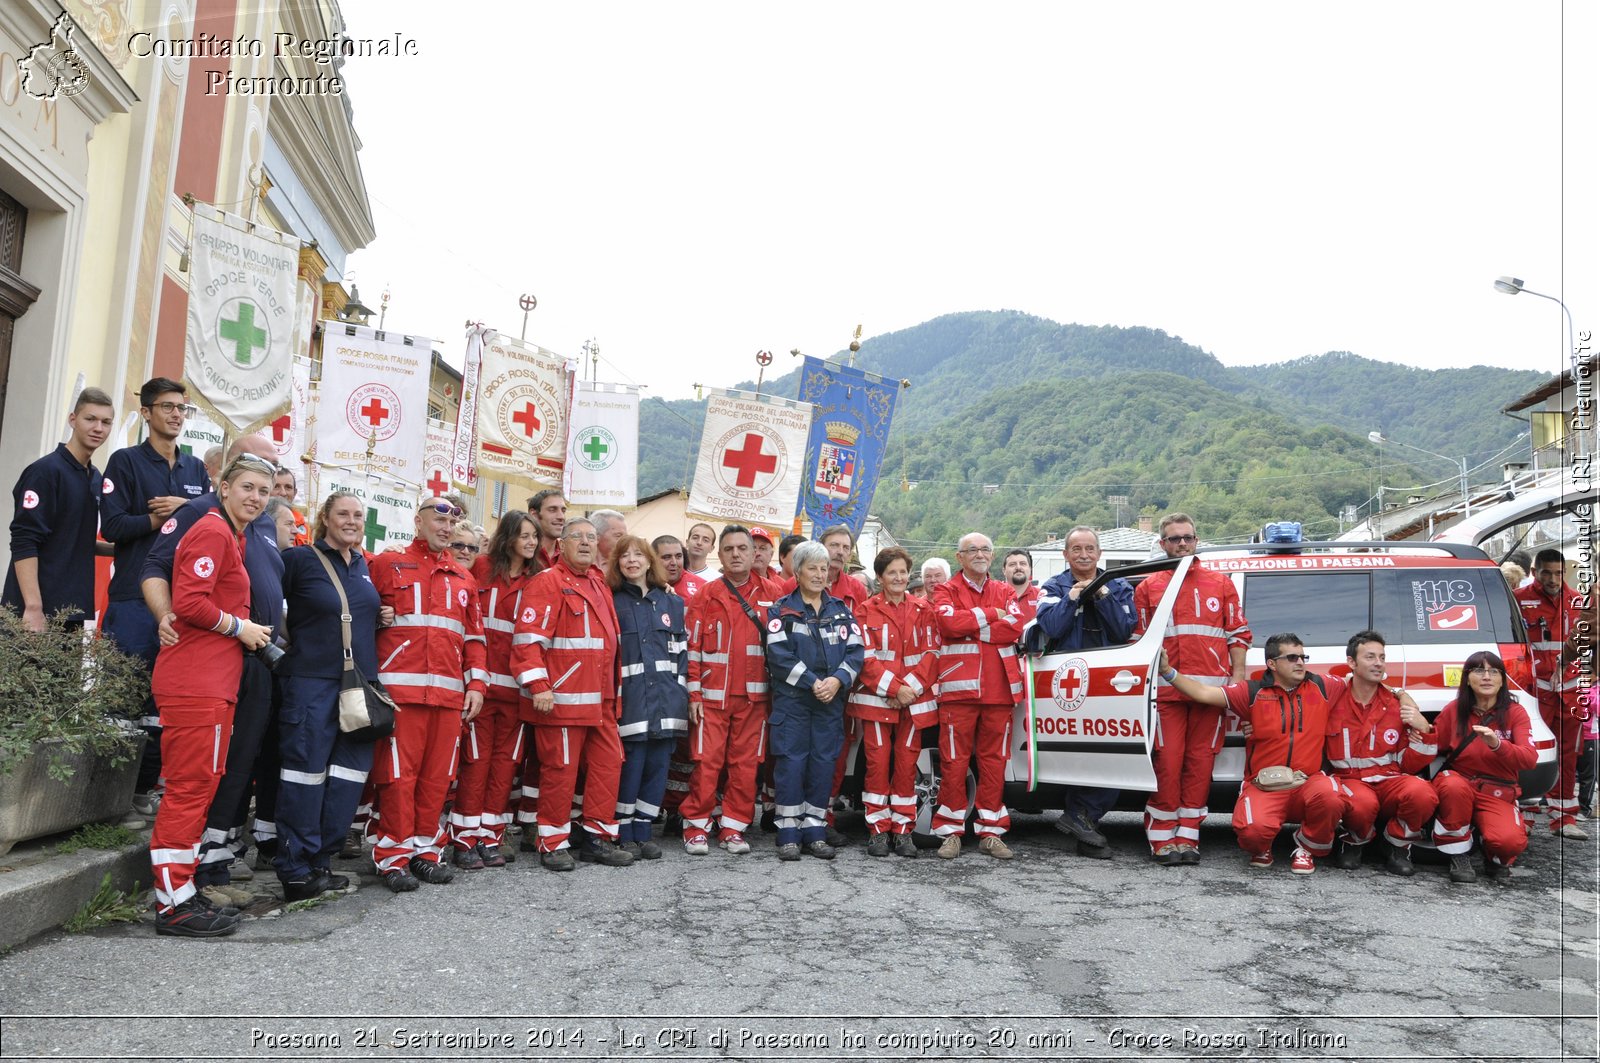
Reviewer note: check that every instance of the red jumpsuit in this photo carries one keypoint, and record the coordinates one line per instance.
(1550, 623)
(979, 684)
(1288, 728)
(901, 653)
(1374, 757)
(428, 659)
(492, 745)
(1480, 787)
(728, 680)
(565, 643)
(1206, 623)
(195, 683)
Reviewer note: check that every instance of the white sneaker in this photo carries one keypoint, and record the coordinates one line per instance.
(734, 844)
(1573, 831)
(696, 844)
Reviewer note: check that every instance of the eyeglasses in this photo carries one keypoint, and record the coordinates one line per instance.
(976, 550)
(184, 408)
(1179, 539)
(1293, 658)
(444, 508)
(1484, 669)
(465, 548)
(583, 537)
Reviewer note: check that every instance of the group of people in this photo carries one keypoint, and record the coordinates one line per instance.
(585, 683)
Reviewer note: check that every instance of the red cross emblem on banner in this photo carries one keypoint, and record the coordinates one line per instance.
(375, 412)
(280, 429)
(528, 419)
(436, 482)
(749, 460)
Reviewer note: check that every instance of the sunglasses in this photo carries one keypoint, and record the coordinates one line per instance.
(444, 508)
(466, 548)
(257, 461)
(1179, 539)
(1293, 658)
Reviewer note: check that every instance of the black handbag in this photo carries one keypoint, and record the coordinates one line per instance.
(366, 711)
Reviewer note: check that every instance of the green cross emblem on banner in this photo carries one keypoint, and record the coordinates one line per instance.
(595, 449)
(375, 531)
(243, 333)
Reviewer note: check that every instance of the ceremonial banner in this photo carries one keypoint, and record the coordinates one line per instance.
(436, 457)
(603, 446)
(288, 433)
(390, 506)
(464, 451)
(373, 393)
(523, 397)
(200, 433)
(242, 330)
(751, 459)
(845, 449)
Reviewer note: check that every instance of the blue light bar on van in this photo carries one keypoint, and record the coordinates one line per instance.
(1283, 531)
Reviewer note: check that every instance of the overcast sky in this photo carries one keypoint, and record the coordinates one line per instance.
(690, 183)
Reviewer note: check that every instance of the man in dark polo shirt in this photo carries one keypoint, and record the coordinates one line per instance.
(57, 514)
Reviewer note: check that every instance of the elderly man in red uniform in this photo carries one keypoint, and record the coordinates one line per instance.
(564, 656)
(432, 661)
(1377, 740)
(728, 696)
(1551, 610)
(980, 683)
(1206, 640)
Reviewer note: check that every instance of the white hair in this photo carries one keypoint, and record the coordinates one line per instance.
(805, 554)
(938, 563)
(604, 519)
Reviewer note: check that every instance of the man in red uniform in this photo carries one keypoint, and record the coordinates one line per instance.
(1377, 740)
(1206, 640)
(1017, 568)
(1288, 715)
(432, 661)
(1551, 610)
(684, 584)
(980, 683)
(564, 656)
(764, 546)
(728, 696)
(548, 509)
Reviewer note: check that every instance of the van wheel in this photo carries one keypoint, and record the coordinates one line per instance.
(927, 790)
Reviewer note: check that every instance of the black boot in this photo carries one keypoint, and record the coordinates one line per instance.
(1349, 858)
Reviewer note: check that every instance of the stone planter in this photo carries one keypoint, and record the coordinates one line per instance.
(32, 804)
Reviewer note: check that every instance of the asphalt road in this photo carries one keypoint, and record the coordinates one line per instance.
(1049, 956)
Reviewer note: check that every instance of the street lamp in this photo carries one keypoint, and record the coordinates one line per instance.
(1513, 286)
(1466, 499)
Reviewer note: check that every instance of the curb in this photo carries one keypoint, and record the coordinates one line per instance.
(40, 888)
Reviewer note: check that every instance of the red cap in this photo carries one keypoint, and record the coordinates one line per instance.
(759, 532)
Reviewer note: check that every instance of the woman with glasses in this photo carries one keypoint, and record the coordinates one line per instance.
(1485, 736)
(653, 651)
(814, 654)
(322, 769)
(196, 683)
(465, 544)
(492, 745)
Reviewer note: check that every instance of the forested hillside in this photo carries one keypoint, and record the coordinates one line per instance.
(1022, 426)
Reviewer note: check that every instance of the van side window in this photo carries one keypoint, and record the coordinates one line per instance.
(1323, 608)
(1444, 605)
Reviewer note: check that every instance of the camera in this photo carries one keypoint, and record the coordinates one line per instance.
(269, 655)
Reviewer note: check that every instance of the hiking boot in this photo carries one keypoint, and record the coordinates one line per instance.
(1398, 861)
(225, 909)
(995, 846)
(228, 896)
(351, 848)
(1168, 855)
(789, 851)
(836, 839)
(492, 856)
(1461, 869)
(821, 850)
(601, 851)
(631, 848)
(950, 848)
(905, 846)
(1075, 823)
(1495, 871)
(468, 859)
(1349, 858)
(649, 850)
(431, 871)
(239, 871)
(303, 889)
(331, 883)
(559, 860)
(1095, 852)
(695, 843)
(1188, 854)
(1301, 862)
(1260, 861)
(195, 919)
(734, 844)
(399, 880)
(1571, 830)
(878, 845)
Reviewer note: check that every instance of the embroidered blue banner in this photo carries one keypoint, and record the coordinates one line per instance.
(848, 436)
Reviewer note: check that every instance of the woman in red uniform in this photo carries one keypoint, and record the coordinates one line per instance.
(492, 745)
(195, 684)
(894, 700)
(1489, 732)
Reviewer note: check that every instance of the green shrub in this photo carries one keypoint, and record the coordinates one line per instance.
(97, 836)
(108, 905)
(57, 685)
